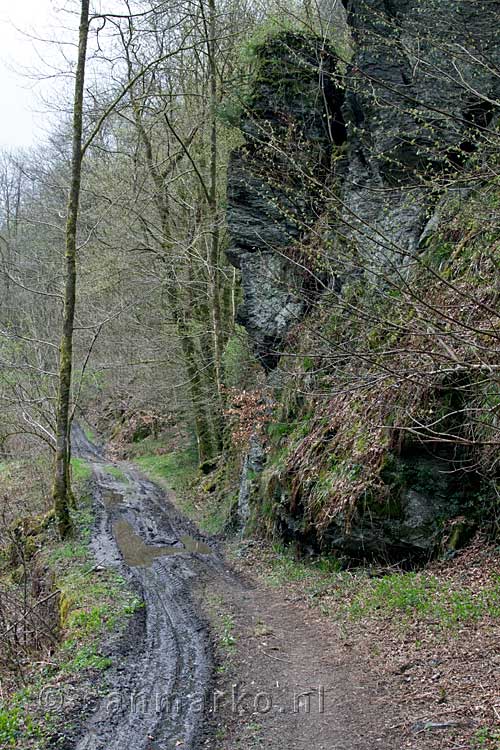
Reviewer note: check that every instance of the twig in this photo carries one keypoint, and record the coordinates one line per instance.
(286, 661)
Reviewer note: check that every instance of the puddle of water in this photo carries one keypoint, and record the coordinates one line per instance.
(193, 545)
(138, 554)
(111, 498)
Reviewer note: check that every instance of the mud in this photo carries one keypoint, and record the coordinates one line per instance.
(156, 698)
(137, 554)
(282, 677)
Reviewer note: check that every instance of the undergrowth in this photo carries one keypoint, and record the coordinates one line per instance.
(91, 603)
(116, 472)
(196, 495)
(412, 595)
(80, 470)
(361, 594)
(176, 469)
(486, 739)
(375, 387)
(223, 624)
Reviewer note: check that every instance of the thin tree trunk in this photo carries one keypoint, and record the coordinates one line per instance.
(62, 485)
(203, 429)
(214, 264)
(214, 208)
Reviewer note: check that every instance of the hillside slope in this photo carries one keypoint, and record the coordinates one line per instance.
(365, 222)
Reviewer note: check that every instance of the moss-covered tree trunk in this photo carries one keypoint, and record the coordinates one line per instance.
(181, 306)
(215, 251)
(206, 441)
(62, 485)
(214, 204)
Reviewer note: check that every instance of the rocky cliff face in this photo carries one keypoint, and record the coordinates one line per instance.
(419, 94)
(414, 101)
(291, 123)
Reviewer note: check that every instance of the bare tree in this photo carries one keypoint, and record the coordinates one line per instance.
(62, 482)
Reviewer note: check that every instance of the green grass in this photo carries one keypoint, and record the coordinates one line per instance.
(147, 447)
(213, 517)
(177, 469)
(89, 433)
(80, 470)
(227, 637)
(405, 597)
(17, 725)
(10, 722)
(421, 595)
(86, 657)
(92, 601)
(116, 472)
(486, 739)
(285, 568)
(71, 551)
(223, 624)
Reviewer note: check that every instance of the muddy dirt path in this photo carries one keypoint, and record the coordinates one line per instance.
(286, 683)
(156, 697)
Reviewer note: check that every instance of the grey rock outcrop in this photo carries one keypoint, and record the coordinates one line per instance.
(421, 88)
(416, 104)
(414, 517)
(420, 92)
(291, 124)
(415, 522)
(253, 463)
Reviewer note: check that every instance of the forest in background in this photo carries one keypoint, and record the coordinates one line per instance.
(172, 91)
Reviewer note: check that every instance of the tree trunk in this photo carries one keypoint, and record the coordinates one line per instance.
(203, 428)
(214, 207)
(62, 494)
(214, 264)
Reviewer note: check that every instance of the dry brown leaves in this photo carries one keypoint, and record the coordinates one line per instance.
(248, 412)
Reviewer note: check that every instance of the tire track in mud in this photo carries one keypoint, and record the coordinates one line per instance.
(284, 650)
(157, 697)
